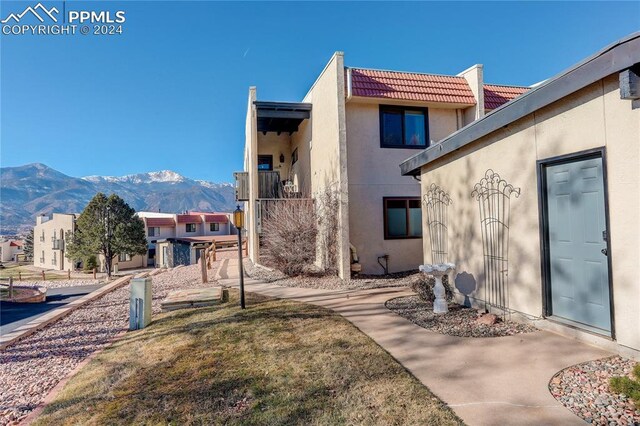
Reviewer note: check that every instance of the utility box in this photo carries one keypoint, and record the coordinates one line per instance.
(140, 303)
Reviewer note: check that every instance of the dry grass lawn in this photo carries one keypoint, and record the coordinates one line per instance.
(278, 362)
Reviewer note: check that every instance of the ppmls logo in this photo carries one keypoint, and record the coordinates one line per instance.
(51, 13)
(41, 20)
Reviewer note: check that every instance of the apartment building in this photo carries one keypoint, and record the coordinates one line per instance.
(348, 135)
(10, 249)
(49, 251)
(49, 237)
(188, 232)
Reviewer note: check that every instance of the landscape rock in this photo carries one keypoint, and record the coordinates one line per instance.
(488, 319)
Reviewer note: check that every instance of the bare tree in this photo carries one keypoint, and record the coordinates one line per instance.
(289, 233)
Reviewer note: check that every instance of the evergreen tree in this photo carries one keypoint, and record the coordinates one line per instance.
(28, 245)
(107, 226)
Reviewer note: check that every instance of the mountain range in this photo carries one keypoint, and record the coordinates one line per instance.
(33, 189)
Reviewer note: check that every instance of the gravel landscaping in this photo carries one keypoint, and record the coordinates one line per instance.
(30, 368)
(584, 389)
(57, 283)
(459, 321)
(359, 282)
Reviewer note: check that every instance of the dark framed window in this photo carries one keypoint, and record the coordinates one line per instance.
(123, 257)
(154, 231)
(294, 156)
(403, 127)
(265, 162)
(402, 218)
(190, 227)
(214, 227)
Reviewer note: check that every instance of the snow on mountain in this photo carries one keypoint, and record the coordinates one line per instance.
(32, 189)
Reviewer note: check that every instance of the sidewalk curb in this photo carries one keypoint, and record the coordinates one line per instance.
(41, 322)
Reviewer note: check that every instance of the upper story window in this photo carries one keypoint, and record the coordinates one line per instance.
(403, 127)
(265, 162)
(402, 218)
(214, 227)
(154, 231)
(191, 227)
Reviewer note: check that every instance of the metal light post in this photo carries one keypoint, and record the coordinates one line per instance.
(238, 221)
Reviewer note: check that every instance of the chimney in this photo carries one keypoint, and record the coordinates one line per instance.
(475, 78)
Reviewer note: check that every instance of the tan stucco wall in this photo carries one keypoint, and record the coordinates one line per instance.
(57, 223)
(374, 174)
(274, 145)
(475, 78)
(591, 118)
(328, 152)
(251, 165)
(301, 170)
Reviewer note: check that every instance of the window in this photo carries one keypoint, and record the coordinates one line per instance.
(402, 218)
(214, 227)
(53, 259)
(265, 162)
(191, 227)
(123, 257)
(154, 231)
(403, 127)
(294, 156)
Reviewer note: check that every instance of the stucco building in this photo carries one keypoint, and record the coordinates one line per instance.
(541, 200)
(10, 249)
(348, 135)
(175, 239)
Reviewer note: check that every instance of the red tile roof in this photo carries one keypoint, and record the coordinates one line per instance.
(189, 218)
(15, 244)
(496, 95)
(410, 86)
(216, 218)
(161, 221)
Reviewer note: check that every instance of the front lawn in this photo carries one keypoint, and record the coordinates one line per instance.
(278, 362)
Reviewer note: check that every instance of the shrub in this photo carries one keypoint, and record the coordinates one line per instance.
(424, 284)
(629, 387)
(327, 207)
(90, 262)
(289, 233)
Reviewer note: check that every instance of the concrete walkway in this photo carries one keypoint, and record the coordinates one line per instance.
(486, 381)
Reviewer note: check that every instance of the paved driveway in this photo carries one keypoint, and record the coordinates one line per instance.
(13, 315)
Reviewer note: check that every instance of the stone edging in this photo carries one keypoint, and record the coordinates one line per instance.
(46, 319)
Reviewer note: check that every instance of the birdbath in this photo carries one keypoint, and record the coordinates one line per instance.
(438, 271)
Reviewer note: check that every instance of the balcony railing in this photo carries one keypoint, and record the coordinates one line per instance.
(58, 244)
(269, 184)
(53, 261)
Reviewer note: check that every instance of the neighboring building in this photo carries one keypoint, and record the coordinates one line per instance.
(348, 136)
(183, 235)
(49, 237)
(10, 249)
(556, 236)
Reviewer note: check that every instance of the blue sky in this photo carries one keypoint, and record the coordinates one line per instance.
(170, 92)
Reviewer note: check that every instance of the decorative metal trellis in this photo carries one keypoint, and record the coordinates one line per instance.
(437, 201)
(493, 194)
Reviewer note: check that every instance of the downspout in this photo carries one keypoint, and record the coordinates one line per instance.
(348, 84)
